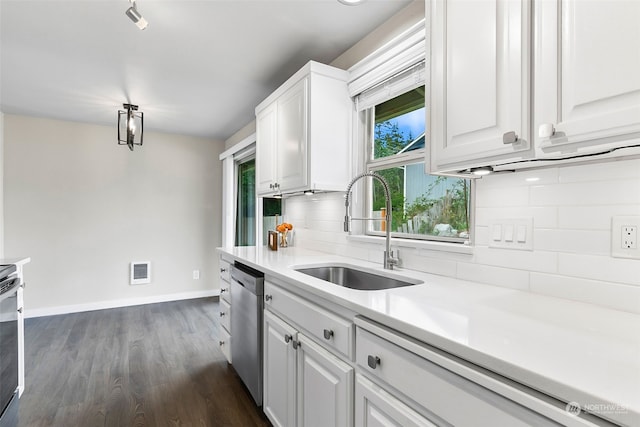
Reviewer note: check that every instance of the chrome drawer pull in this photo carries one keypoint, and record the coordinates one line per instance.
(373, 361)
(328, 334)
(268, 297)
(223, 290)
(222, 270)
(221, 313)
(221, 343)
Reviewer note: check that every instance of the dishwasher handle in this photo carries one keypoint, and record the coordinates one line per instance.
(250, 279)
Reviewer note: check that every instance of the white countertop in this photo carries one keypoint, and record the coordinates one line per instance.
(573, 351)
(17, 261)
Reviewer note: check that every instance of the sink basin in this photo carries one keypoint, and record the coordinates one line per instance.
(356, 277)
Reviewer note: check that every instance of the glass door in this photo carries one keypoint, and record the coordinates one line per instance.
(246, 203)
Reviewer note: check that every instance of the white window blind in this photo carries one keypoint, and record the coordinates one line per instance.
(402, 82)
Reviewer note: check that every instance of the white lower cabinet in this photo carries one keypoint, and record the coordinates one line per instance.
(225, 308)
(279, 397)
(325, 387)
(304, 384)
(375, 407)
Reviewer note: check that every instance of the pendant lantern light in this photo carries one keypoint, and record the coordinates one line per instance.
(130, 126)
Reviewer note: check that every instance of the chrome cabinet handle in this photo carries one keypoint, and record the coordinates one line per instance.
(221, 343)
(221, 313)
(328, 333)
(20, 310)
(222, 270)
(509, 137)
(373, 361)
(268, 297)
(223, 290)
(296, 344)
(287, 338)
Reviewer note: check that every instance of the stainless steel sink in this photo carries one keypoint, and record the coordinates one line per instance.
(356, 278)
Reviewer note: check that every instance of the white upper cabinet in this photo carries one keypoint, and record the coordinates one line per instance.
(480, 92)
(587, 76)
(304, 132)
(266, 125)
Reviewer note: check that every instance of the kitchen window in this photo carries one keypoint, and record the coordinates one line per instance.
(425, 207)
(246, 202)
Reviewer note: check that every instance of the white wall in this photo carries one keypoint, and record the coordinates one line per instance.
(392, 28)
(571, 208)
(386, 32)
(83, 208)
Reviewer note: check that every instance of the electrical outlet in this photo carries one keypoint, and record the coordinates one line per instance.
(624, 237)
(196, 274)
(629, 237)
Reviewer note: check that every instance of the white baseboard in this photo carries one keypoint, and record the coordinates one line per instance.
(101, 305)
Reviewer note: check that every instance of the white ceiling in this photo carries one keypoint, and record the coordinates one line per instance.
(200, 68)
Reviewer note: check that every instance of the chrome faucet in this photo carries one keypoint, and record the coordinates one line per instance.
(389, 260)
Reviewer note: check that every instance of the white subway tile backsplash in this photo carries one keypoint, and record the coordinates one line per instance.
(542, 261)
(596, 242)
(498, 276)
(593, 217)
(488, 196)
(608, 294)
(602, 268)
(482, 236)
(546, 217)
(606, 171)
(571, 207)
(415, 260)
(587, 193)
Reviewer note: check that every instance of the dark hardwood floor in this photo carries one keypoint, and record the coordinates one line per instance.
(149, 365)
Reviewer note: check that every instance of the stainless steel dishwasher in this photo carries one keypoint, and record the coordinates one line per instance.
(247, 288)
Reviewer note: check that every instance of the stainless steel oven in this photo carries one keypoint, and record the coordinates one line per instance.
(9, 284)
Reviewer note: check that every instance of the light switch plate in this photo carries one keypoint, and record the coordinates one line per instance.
(624, 237)
(512, 233)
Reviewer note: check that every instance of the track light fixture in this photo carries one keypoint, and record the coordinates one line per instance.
(135, 16)
(130, 126)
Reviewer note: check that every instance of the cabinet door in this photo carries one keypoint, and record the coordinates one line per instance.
(325, 387)
(279, 397)
(266, 155)
(377, 408)
(292, 137)
(587, 69)
(480, 82)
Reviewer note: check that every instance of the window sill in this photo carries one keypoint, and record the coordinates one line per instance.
(416, 244)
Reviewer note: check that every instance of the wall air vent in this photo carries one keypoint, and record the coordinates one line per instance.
(140, 272)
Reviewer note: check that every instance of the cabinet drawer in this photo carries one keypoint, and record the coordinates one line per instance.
(225, 315)
(328, 328)
(438, 390)
(225, 344)
(225, 291)
(225, 271)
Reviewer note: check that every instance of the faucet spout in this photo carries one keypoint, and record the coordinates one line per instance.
(389, 260)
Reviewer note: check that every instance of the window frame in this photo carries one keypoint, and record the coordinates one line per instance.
(396, 57)
(399, 160)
